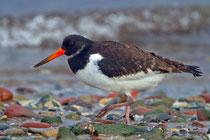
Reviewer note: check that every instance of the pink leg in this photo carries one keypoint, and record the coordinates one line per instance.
(108, 108)
(127, 115)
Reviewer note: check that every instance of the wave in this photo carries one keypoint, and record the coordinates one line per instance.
(181, 24)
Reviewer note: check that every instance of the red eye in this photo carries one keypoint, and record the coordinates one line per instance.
(71, 43)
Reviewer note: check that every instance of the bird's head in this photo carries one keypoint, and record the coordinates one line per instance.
(72, 45)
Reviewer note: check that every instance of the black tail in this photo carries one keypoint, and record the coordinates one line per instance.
(195, 70)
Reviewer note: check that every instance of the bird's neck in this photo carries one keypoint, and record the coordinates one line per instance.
(79, 61)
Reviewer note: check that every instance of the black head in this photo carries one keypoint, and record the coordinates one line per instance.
(72, 45)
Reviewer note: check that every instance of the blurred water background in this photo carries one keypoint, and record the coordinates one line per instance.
(31, 30)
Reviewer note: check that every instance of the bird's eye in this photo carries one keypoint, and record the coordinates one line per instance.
(71, 43)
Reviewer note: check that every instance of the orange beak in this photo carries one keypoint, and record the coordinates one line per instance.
(51, 57)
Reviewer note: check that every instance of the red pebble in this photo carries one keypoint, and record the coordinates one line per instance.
(206, 97)
(202, 116)
(102, 121)
(164, 125)
(5, 94)
(198, 130)
(198, 124)
(35, 125)
(2, 134)
(15, 110)
(64, 101)
(190, 113)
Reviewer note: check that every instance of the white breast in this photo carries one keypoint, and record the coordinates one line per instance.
(92, 76)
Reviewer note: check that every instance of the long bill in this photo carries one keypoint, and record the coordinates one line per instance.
(51, 57)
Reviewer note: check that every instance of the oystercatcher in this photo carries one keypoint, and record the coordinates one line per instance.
(116, 67)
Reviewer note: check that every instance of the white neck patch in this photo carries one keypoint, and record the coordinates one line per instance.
(83, 46)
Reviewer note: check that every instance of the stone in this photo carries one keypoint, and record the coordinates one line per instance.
(35, 125)
(196, 99)
(152, 115)
(195, 105)
(155, 133)
(104, 101)
(113, 117)
(4, 127)
(5, 94)
(115, 129)
(20, 97)
(179, 104)
(162, 117)
(83, 128)
(203, 114)
(3, 134)
(15, 110)
(174, 130)
(91, 98)
(65, 134)
(198, 124)
(141, 110)
(73, 116)
(206, 96)
(81, 103)
(14, 131)
(52, 120)
(164, 101)
(4, 117)
(47, 113)
(45, 102)
(102, 121)
(24, 90)
(50, 133)
(65, 101)
(194, 113)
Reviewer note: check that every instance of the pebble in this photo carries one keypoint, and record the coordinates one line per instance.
(172, 130)
(4, 127)
(206, 96)
(195, 105)
(4, 117)
(104, 101)
(65, 101)
(162, 117)
(52, 120)
(141, 110)
(50, 133)
(73, 116)
(195, 99)
(113, 117)
(38, 137)
(5, 94)
(198, 124)
(47, 113)
(178, 104)
(24, 90)
(15, 110)
(203, 114)
(35, 125)
(81, 104)
(14, 131)
(65, 134)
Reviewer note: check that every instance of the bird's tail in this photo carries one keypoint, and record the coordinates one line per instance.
(195, 70)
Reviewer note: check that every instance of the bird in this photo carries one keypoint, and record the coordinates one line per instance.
(116, 67)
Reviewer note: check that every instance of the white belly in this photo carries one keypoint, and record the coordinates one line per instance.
(92, 76)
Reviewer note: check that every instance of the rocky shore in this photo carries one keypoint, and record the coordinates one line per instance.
(155, 117)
